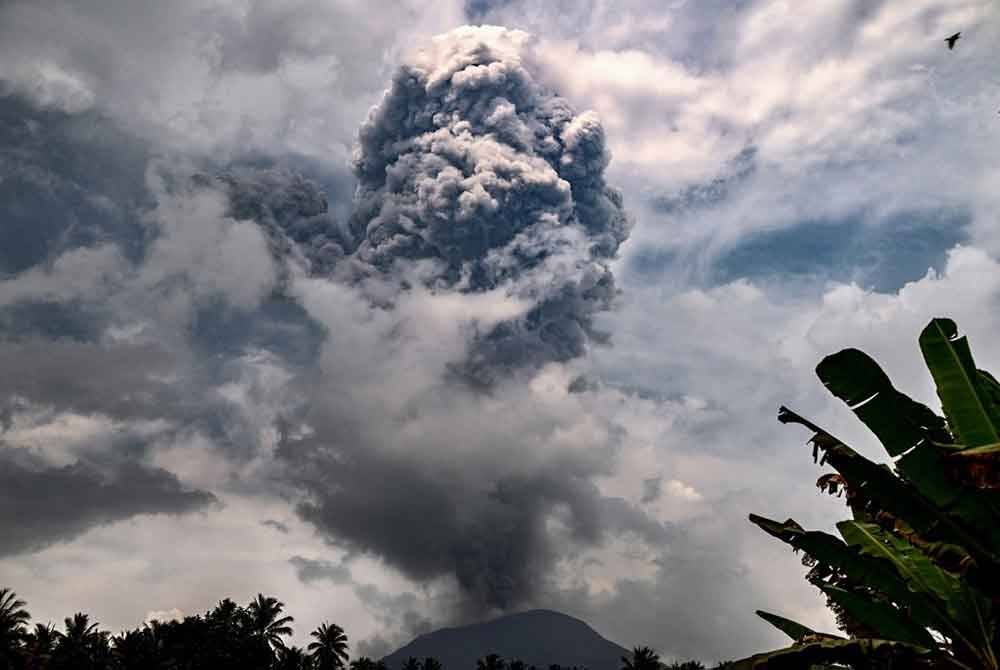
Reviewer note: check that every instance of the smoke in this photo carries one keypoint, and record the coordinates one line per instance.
(455, 490)
(294, 213)
(471, 170)
(89, 494)
(484, 232)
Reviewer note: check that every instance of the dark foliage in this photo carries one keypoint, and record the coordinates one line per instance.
(228, 637)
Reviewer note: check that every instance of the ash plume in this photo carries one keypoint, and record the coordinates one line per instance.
(293, 211)
(476, 183)
(473, 171)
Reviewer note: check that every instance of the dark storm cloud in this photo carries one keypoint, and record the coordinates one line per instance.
(471, 165)
(123, 381)
(42, 504)
(50, 319)
(475, 10)
(652, 489)
(66, 181)
(311, 570)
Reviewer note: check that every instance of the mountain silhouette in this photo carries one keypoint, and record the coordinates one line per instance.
(537, 637)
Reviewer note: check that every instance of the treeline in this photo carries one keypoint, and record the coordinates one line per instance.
(227, 637)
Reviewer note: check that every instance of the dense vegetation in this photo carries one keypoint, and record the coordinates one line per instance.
(915, 575)
(228, 637)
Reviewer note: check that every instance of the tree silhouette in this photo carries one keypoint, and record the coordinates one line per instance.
(643, 658)
(293, 658)
(411, 664)
(366, 663)
(39, 645)
(329, 650)
(431, 663)
(265, 620)
(226, 614)
(135, 650)
(516, 664)
(81, 645)
(13, 625)
(491, 662)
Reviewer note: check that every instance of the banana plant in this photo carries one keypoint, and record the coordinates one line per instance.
(914, 576)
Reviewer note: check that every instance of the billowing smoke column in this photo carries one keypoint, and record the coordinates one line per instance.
(471, 166)
(472, 178)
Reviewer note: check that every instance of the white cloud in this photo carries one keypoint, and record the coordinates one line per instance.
(217, 75)
(679, 489)
(163, 616)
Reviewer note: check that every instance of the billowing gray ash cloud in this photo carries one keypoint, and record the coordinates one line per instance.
(473, 170)
(476, 185)
(293, 211)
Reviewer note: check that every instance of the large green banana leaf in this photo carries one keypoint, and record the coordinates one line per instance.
(926, 466)
(901, 424)
(792, 629)
(886, 621)
(890, 493)
(897, 420)
(834, 552)
(876, 573)
(965, 612)
(861, 653)
(966, 397)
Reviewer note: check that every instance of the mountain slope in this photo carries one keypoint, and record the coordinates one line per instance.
(537, 637)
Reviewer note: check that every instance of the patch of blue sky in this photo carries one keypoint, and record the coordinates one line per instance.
(881, 255)
(877, 254)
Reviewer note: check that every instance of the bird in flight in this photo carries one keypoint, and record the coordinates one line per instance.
(951, 40)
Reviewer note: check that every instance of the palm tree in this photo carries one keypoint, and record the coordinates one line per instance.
(491, 662)
(136, 649)
(39, 645)
(431, 663)
(226, 613)
(293, 658)
(329, 651)
(13, 622)
(643, 658)
(265, 620)
(412, 664)
(81, 645)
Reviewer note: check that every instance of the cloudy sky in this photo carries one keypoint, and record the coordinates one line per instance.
(413, 313)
